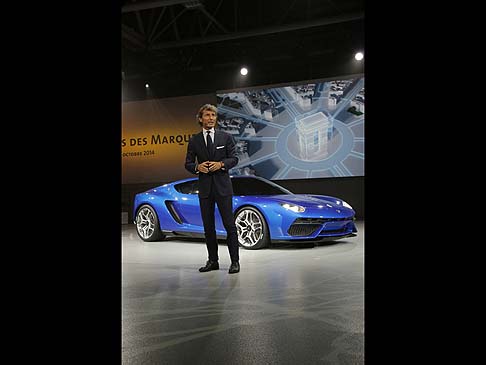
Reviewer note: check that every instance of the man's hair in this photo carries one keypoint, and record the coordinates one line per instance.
(203, 108)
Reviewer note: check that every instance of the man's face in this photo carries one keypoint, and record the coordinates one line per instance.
(208, 119)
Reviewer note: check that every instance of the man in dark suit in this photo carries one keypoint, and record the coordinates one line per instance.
(215, 152)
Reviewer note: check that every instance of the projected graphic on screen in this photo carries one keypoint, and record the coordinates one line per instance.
(298, 131)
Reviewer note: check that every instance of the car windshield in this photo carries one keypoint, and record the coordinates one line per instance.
(252, 186)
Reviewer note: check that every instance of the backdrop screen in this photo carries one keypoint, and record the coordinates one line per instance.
(310, 130)
(155, 134)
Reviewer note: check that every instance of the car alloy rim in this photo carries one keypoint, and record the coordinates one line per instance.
(145, 223)
(250, 228)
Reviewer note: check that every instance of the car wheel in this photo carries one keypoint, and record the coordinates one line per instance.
(252, 229)
(147, 223)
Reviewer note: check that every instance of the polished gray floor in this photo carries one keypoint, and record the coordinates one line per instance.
(288, 305)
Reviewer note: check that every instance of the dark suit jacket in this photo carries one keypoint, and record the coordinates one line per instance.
(224, 149)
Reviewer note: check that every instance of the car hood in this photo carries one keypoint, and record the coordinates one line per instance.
(308, 201)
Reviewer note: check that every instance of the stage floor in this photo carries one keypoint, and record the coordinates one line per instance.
(287, 305)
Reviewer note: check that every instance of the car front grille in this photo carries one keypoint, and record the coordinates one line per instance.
(308, 226)
(303, 229)
(333, 231)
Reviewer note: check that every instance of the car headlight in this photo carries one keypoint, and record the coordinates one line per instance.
(347, 205)
(293, 207)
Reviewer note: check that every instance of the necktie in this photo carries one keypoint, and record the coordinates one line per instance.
(209, 143)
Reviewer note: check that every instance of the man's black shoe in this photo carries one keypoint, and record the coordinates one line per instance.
(210, 265)
(234, 268)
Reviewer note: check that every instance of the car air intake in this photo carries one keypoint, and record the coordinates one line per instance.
(308, 226)
(173, 212)
(301, 230)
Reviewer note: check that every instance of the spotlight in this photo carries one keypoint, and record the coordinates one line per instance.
(359, 56)
(243, 71)
(147, 86)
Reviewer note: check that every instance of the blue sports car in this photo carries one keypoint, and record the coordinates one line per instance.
(264, 212)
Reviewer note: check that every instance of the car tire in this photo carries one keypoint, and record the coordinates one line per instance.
(147, 224)
(252, 229)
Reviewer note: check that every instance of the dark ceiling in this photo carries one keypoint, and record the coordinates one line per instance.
(195, 46)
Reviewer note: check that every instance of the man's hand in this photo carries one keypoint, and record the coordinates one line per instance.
(214, 165)
(203, 167)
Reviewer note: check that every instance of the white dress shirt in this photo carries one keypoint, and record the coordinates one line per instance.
(205, 131)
